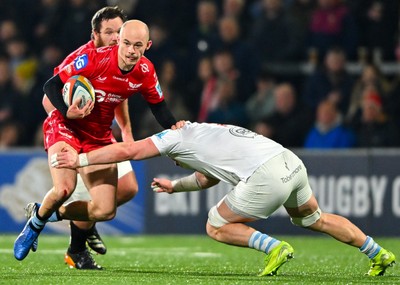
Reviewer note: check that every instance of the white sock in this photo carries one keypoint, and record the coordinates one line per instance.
(262, 242)
(370, 247)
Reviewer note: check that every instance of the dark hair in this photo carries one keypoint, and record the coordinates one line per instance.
(107, 13)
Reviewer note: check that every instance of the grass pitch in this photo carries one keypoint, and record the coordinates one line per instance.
(181, 259)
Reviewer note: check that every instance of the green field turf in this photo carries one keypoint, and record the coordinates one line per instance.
(181, 259)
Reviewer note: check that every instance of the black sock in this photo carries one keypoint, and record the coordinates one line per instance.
(78, 239)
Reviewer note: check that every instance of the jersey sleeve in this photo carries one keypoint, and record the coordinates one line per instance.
(151, 88)
(84, 64)
(82, 49)
(166, 141)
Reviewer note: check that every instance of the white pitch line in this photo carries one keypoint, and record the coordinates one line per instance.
(126, 251)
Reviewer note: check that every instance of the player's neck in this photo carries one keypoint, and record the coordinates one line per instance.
(123, 71)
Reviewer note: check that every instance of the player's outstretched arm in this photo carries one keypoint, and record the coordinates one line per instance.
(117, 152)
(194, 182)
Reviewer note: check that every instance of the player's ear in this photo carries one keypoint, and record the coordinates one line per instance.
(94, 35)
(149, 43)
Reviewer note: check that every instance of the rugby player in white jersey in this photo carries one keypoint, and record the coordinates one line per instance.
(265, 176)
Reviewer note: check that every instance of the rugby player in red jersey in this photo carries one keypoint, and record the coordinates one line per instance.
(106, 24)
(116, 73)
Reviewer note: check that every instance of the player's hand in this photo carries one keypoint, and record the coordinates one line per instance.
(74, 112)
(178, 125)
(162, 185)
(67, 158)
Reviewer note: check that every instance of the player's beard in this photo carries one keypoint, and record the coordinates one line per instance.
(101, 43)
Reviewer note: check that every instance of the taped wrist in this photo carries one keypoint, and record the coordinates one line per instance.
(83, 160)
(185, 184)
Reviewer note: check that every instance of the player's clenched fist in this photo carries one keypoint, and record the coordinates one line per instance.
(162, 185)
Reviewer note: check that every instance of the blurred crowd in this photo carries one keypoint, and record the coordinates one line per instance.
(278, 67)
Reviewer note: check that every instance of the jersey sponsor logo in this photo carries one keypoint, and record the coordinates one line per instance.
(120, 78)
(133, 86)
(103, 49)
(289, 177)
(144, 67)
(163, 133)
(242, 132)
(65, 135)
(101, 79)
(64, 131)
(102, 96)
(158, 88)
(81, 61)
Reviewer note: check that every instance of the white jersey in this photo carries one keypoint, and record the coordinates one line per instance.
(226, 152)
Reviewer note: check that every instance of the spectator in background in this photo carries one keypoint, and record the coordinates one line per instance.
(50, 57)
(272, 34)
(202, 38)
(49, 20)
(8, 31)
(380, 23)
(200, 91)
(330, 81)
(238, 10)
(223, 68)
(261, 103)
(376, 129)
(10, 134)
(333, 25)
(178, 15)
(77, 16)
(299, 14)
(21, 57)
(329, 131)
(10, 130)
(243, 55)
(229, 110)
(169, 83)
(162, 48)
(23, 64)
(8, 96)
(290, 121)
(393, 106)
(371, 77)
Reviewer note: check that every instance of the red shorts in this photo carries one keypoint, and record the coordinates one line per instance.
(56, 128)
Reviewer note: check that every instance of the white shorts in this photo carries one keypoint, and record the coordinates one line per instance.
(280, 181)
(81, 193)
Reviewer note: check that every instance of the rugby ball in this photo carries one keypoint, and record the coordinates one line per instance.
(76, 87)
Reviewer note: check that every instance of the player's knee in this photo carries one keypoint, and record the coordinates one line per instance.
(214, 222)
(64, 191)
(103, 215)
(307, 221)
(211, 231)
(106, 216)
